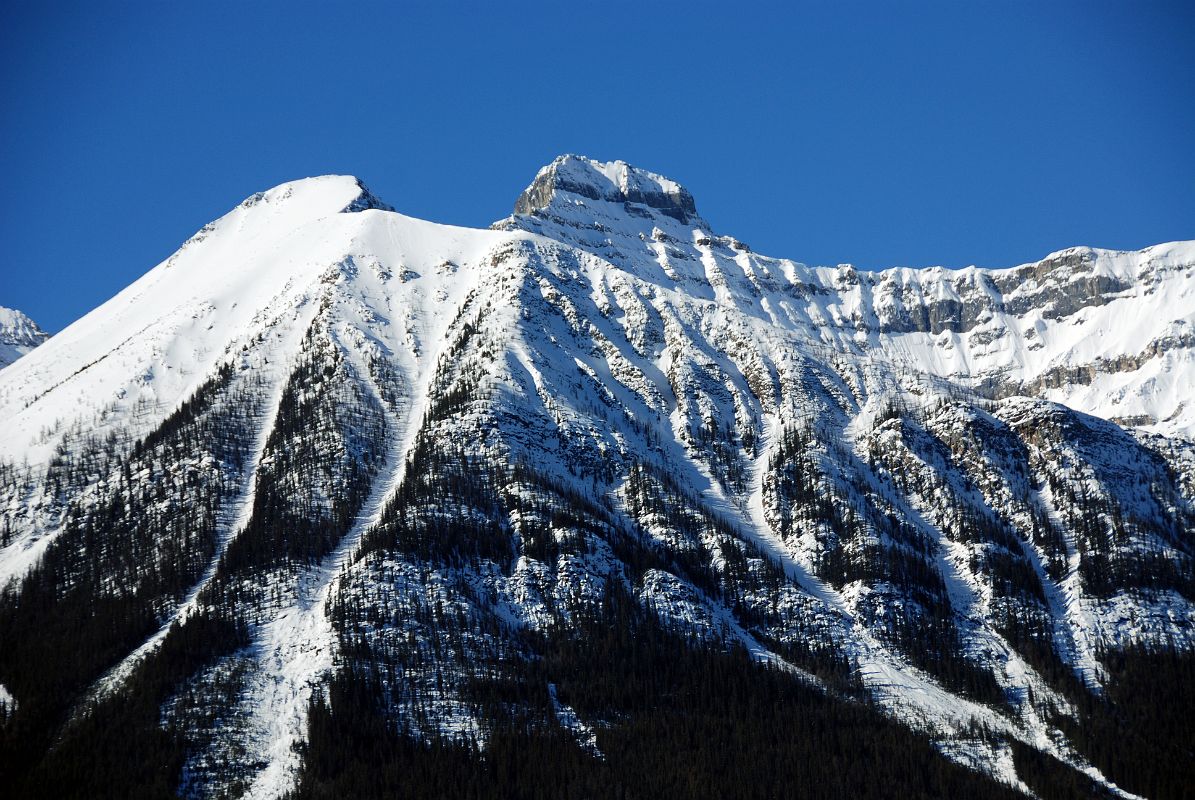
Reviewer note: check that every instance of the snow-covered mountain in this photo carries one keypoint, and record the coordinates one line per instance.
(18, 335)
(327, 456)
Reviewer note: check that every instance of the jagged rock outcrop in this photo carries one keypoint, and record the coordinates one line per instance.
(18, 335)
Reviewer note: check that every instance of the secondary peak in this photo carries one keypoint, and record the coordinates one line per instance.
(611, 181)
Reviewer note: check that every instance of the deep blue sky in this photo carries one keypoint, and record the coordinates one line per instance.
(876, 133)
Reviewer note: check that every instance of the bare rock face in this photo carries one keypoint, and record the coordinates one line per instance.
(366, 201)
(613, 182)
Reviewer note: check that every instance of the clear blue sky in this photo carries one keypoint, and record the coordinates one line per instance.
(876, 133)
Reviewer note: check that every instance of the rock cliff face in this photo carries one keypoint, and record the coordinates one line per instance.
(614, 182)
(510, 498)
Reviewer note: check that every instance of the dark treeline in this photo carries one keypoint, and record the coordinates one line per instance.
(1141, 734)
(121, 561)
(672, 721)
(120, 746)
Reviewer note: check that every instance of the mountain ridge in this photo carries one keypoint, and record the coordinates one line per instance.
(361, 444)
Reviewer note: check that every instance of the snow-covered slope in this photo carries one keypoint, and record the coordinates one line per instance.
(336, 440)
(18, 335)
(1106, 332)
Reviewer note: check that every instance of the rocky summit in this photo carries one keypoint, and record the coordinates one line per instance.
(18, 335)
(598, 502)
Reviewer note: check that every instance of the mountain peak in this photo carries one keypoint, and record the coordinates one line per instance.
(347, 191)
(18, 335)
(611, 181)
(366, 200)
